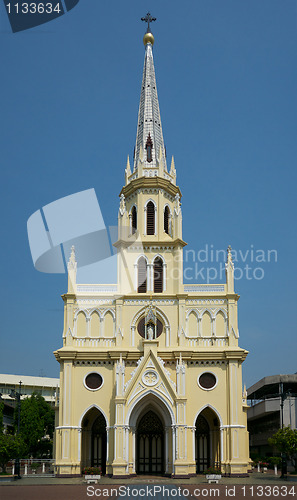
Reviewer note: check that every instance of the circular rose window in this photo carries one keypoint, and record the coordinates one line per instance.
(93, 381)
(141, 327)
(207, 381)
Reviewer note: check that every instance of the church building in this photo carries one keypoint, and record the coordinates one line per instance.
(150, 368)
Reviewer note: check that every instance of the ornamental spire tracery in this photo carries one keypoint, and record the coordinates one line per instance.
(149, 127)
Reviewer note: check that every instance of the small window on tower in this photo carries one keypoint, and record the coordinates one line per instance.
(134, 220)
(166, 220)
(150, 218)
(158, 275)
(142, 275)
(149, 148)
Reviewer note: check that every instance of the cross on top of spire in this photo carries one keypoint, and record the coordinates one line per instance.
(148, 19)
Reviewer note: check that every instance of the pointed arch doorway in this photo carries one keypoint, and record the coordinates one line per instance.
(202, 444)
(207, 440)
(150, 444)
(94, 440)
(155, 431)
(98, 451)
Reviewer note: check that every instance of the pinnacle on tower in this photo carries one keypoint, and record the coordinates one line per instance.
(72, 268)
(128, 170)
(229, 267)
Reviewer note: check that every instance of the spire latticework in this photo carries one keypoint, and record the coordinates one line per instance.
(149, 127)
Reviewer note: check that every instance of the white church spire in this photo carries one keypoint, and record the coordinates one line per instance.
(149, 149)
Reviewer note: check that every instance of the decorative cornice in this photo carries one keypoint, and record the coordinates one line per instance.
(147, 245)
(149, 183)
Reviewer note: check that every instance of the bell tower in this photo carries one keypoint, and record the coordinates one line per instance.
(150, 220)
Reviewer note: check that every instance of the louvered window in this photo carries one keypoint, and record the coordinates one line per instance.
(166, 220)
(150, 218)
(134, 220)
(158, 275)
(142, 275)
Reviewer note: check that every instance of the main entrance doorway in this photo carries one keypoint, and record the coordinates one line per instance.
(202, 435)
(150, 444)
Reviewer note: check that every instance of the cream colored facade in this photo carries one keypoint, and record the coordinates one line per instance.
(168, 398)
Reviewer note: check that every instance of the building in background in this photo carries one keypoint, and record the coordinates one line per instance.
(46, 386)
(266, 415)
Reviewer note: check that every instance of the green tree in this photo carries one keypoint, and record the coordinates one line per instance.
(36, 422)
(1, 417)
(10, 447)
(285, 440)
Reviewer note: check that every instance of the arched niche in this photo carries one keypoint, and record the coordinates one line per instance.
(109, 324)
(220, 324)
(81, 325)
(192, 325)
(95, 324)
(206, 325)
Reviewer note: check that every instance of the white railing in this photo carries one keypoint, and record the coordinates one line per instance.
(96, 288)
(33, 466)
(98, 342)
(204, 288)
(206, 342)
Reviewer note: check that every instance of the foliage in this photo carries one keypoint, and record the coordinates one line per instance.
(37, 420)
(10, 447)
(285, 440)
(213, 470)
(34, 466)
(274, 460)
(90, 471)
(254, 456)
(1, 417)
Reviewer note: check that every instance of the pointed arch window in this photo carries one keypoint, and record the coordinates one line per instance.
(134, 219)
(158, 275)
(150, 218)
(142, 275)
(149, 149)
(166, 219)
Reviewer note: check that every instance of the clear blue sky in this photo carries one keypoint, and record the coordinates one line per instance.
(227, 78)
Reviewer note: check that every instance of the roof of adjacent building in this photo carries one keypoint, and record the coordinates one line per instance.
(7, 379)
(270, 386)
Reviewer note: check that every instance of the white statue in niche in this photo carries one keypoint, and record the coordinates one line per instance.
(150, 333)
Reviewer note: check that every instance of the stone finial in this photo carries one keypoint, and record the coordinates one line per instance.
(72, 268)
(229, 255)
(72, 264)
(172, 166)
(229, 267)
(127, 170)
